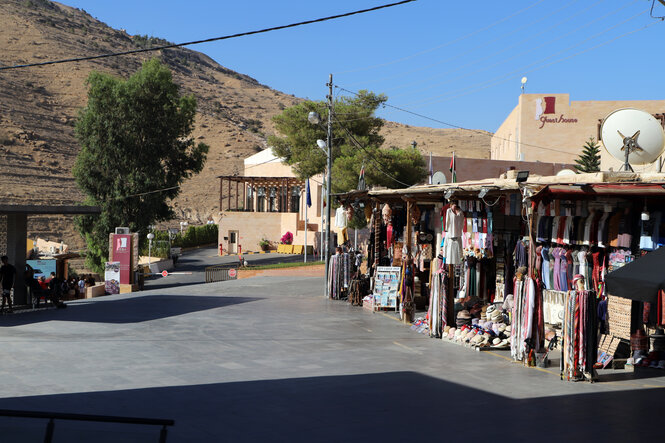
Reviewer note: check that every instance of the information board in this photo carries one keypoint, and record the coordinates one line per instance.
(386, 285)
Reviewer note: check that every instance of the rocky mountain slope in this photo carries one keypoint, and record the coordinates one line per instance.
(38, 108)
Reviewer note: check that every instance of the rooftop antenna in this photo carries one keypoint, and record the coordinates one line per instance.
(632, 136)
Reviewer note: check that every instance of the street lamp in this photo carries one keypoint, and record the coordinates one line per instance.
(182, 224)
(150, 237)
(314, 118)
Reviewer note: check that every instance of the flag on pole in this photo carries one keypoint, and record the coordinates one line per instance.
(431, 171)
(309, 195)
(453, 174)
(361, 179)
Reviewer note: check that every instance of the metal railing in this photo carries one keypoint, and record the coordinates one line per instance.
(51, 416)
(220, 273)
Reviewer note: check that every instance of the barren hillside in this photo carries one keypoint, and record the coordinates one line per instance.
(38, 108)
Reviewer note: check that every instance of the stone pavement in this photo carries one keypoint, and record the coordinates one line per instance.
(269, 359)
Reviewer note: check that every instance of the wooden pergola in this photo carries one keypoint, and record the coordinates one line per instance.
(230, 200)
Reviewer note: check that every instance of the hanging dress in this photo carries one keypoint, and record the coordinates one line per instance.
(453, 241)
(547, 281)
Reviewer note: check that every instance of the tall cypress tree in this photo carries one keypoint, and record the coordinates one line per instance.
(589, 160)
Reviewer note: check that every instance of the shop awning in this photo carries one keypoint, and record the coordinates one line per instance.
(614, 189)
(639, 280)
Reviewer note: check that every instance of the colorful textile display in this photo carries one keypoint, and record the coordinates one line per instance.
(580, 338)
(339, 273)
(437, 303)
(526, 319)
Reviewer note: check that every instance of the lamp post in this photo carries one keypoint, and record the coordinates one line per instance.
(182, 224)
(326, 146)
(150, 237)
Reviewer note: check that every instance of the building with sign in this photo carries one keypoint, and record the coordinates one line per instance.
(551, 128)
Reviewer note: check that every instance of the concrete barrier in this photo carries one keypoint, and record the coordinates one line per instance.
(95, 291)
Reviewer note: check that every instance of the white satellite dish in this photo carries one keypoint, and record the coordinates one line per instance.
(632, 136)
(438, 178)
(565, 172)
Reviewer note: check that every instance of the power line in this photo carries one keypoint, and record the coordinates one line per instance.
(485, 133)
(507, 77)
(376, 162)
(484, 46)
(507, 48)
(196, 42)
(444, 44)
(522, 69)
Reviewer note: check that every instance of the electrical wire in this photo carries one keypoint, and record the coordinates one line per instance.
(196, 42)
(508, 48)
(508, 77)
(122, 197)
(371, 157)
(653, 4)
(452, 125)
(484, 46)
(523, 69)
(426, 51)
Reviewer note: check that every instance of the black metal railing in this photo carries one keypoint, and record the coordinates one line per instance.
(52, 416)
(220, 273)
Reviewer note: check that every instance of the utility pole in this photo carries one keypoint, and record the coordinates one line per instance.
(328, 182)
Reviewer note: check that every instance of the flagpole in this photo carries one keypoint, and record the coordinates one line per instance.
(431, 171)
(323, 185)
(308, 203)
(306, 222)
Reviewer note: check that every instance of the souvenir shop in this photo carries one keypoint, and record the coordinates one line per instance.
(521, 266)
(458, 264)
(583, 233)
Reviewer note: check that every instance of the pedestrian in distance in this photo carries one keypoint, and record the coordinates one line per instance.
(7, 274)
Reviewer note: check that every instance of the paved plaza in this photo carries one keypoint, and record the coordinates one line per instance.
(269, 359)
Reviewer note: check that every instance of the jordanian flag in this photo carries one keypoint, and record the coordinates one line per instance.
(431, 170)
(453, 174)
(361, 179)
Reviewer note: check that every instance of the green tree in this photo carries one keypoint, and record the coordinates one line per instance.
(356, 141)
(589, 159)
(136, 150)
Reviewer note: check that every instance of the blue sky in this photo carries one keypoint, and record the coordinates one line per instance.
(458, 62)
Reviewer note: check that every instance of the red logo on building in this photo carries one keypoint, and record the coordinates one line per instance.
(549, 105)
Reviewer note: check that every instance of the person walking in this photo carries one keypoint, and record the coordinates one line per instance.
(7, 274)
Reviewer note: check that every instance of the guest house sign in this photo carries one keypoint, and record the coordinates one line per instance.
(546, 113)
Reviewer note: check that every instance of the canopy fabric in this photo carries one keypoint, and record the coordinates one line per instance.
(639, 280)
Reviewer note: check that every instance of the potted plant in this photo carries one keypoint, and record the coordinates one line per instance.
(264, 244)
(287, 238)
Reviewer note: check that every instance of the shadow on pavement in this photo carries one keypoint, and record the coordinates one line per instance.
(127, 310)
(394, 407)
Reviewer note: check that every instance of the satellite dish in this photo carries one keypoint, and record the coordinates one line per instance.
(438, 178)
(565, 172)
(632, 136)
